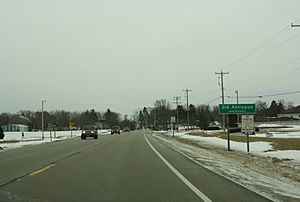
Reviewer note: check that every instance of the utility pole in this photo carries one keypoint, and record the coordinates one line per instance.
(222, 89)
(154, 116)
(43, 118)
(187, 107)
(237, 102)
(177, 100)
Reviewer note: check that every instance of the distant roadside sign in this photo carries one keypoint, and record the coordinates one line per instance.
(237, 109)
(248, 124)
(173, 119)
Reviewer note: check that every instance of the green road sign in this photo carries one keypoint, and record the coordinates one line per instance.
(237, 109)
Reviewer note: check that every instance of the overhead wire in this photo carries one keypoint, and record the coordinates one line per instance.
(267, 72)
(260, 46)
(211, 101)
(268, 83)
(257, 48)
(265, 53)
(267, 95)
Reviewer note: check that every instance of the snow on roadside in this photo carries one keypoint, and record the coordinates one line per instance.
(257, 148)
(253, 172)
(15, 139)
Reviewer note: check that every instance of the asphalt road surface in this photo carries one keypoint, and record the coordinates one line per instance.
(129, 167)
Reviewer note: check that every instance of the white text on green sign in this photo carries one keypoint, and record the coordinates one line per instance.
(237, 109)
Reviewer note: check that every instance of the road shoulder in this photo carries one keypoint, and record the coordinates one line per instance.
(259, 174)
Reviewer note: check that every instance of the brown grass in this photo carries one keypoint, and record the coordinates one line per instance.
(277, 143)
(9, 141)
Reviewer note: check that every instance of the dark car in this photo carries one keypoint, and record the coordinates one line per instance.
(89, 131)
(126, 129)
(115, 129)
(1, 133)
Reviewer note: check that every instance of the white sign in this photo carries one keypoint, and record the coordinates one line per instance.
(173, 119)
(248, 124)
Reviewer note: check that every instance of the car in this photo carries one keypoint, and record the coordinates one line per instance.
(126, 129)
(115, 129)
(89, 131)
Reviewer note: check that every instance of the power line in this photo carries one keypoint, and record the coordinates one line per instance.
(268, 95)
(279, 78)
(260, 46)
(288, 93)
(211, 101)
(266, 73)
(265, 53)
(251, 52)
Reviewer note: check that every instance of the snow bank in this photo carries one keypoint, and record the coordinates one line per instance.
(285, 154)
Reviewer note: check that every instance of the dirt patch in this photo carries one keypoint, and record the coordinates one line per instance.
(9, 141)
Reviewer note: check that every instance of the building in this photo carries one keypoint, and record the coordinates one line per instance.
(15, 128)
(290, 113)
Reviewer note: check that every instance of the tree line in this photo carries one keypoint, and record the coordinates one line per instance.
(64, 120)
(156, 117)
(159, 116)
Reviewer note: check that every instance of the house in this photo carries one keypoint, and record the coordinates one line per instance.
(15, 128)
(17, 123)
(290, 113)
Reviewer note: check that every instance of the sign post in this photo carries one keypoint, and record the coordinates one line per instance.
(248, 127)
(244, 109)
(173, 120)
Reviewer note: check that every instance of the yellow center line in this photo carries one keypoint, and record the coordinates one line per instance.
(42, 170)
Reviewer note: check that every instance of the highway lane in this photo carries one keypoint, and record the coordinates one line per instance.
(112, 168)
(20, 162)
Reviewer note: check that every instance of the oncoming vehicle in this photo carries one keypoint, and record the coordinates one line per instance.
(126, 129)
(115, 129)
(89, 131)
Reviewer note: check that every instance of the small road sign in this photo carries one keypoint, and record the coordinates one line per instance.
(248, 124)
(173, 119)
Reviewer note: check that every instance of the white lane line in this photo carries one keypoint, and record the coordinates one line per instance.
(179, 175)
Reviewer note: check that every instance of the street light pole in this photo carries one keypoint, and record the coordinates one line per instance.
(294, 25)
(43, 118)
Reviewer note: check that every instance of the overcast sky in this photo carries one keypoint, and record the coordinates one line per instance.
(123, 55)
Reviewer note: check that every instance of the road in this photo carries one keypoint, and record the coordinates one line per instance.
(129, 167)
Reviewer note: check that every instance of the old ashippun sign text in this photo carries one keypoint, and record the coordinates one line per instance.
(237, 109)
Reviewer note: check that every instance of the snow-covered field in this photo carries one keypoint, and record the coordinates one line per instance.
(15, 139)
(257, 148)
